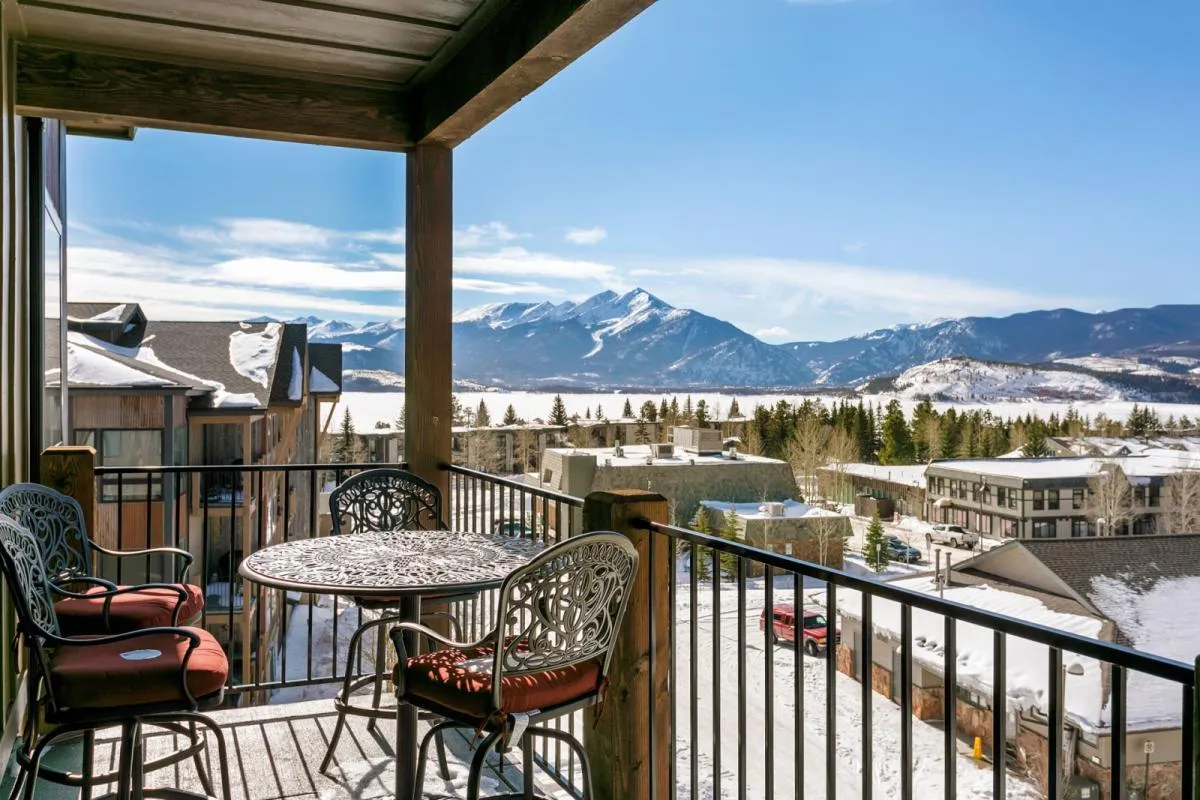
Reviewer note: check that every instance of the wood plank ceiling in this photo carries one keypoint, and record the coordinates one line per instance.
(368, 73)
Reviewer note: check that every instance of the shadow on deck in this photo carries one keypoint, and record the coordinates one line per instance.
(275, 752)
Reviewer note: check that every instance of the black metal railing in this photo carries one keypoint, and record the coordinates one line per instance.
(749, 715)
(257, 505)
(727, 734)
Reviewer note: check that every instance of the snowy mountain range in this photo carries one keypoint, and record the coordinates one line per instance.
(637, 341)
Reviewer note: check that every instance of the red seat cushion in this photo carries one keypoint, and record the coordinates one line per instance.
(460, 682)
(104, 676)
(149, 608)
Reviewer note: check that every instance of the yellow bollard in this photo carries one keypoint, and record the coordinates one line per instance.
(977, 752)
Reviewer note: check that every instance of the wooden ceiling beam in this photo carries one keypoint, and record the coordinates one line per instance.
(522, 46)
(80, 86)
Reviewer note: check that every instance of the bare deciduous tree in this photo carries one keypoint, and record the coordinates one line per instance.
(807, 452)
(1182, 508)
(842, 449)
(1110, 499)
(830, 534)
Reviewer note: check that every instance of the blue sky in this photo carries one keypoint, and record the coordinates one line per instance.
(806, 170)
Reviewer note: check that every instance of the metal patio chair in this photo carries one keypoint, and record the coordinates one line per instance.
(558, 619)
(158, 676)
(57, 522)
(383, 499)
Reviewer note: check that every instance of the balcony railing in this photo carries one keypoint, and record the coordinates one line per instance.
(741, 712)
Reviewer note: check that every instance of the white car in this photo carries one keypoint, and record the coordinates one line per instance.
(953, 535)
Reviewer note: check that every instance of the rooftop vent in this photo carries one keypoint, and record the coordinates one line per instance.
(662, 450)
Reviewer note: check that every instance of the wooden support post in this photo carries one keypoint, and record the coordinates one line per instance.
(71, 469)
(630, 745)
(427, 326)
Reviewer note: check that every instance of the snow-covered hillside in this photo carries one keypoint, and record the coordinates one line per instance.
(967, 379)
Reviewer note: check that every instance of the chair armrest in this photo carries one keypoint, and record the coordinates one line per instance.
(109, 594)
(183, 555)
(402, 654)
(113, 638)
(88, 579)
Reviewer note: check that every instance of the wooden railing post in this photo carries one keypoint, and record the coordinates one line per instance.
(71, 469)
(630, 745)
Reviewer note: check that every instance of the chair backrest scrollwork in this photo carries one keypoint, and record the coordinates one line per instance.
(564, 607)
(56, 522)
(385, 500)
(25, 573)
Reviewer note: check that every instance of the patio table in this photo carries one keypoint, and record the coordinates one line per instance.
(400, 564)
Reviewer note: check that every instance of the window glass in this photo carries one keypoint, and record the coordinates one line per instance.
(1039, 500)
(1044, 530)
(1052, 499)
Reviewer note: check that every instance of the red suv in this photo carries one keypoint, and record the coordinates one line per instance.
(812, 629)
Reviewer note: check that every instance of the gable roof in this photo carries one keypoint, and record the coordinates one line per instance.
(223, 364)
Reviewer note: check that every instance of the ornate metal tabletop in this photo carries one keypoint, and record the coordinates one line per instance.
(389, 564)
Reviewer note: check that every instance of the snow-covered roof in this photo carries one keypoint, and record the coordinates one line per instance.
(908, 475)
(1154, 617)
(792, 509)
(635, 455)
(232, 364)
(1149, 464)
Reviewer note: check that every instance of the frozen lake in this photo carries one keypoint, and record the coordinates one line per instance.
(369, 407)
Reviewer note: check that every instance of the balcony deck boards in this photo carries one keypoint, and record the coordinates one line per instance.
(275, 750)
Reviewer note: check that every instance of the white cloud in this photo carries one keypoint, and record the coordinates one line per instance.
(854, 248)
(487, 235)
(290, 273)
(262, 232)
(593, 235)
(185, 291)
(775, 332)
(500, 287)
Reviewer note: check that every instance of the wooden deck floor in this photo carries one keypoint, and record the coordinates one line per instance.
(275, 752)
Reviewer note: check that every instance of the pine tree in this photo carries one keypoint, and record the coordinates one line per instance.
(875, 546)
(558, 411)
(663, 410)
(730, 532)
(702, 524)
(587, 413)
(702, 413)
(483, 417)
(897, 440)
(649, 411)
(673, 416)
(627, 411)
(640, 434)
(510, 416)
(457, 417)
(599, 411)
(687, 410)
(399, 423)
(1035, 444)
(346, 443)
(734, 411)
